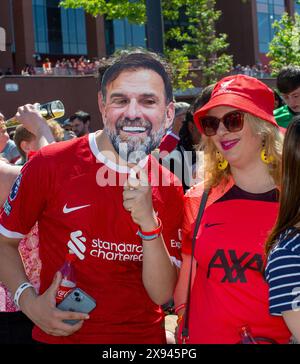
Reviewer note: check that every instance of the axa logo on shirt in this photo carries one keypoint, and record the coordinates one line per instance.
(234, 266)
(104, 249)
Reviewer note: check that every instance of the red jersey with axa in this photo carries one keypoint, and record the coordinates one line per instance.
(234, 265)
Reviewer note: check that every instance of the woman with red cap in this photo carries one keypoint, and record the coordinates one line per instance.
(242, 149)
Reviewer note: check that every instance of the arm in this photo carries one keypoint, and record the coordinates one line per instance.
(8, 174)
(282, 276)
(29, 116)
(40, 309)
(292, 320)
(158, 272)
(4, 137)
(29, 198)
(181, 290)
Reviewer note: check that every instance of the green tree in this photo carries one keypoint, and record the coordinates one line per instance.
(196, 39)
(284, 49)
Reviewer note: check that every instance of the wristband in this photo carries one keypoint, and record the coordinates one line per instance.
(147, 238)
(150, 234)
(19, 291)
(180, 307)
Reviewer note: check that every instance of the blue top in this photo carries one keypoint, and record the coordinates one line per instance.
(10, 151)
(283, 273)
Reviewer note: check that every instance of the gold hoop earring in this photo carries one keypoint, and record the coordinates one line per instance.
(222, 162)
(264, 156)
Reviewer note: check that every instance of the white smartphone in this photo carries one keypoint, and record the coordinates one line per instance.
(77, 301)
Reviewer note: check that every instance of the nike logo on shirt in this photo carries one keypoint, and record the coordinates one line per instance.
(215, 224)
(67, 210)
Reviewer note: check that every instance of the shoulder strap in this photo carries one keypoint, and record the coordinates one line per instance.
(185, 329)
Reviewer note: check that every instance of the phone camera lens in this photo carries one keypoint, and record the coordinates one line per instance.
(76, 294)
(77, 299)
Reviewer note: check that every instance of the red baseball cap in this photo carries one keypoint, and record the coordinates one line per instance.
(244, 93)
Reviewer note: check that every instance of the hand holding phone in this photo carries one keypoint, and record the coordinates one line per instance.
(77, 301)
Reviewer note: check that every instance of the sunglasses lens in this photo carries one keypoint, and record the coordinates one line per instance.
(210, 125)
(234, 121)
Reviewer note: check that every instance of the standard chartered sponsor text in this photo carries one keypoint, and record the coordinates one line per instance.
(116, 251)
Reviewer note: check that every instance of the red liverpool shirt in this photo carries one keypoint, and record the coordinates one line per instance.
(64, 187)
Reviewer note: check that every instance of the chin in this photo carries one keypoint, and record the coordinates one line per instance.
(233, 160)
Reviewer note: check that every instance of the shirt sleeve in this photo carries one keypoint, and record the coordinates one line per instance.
(168, 143)
(26, 200)
(283, 277)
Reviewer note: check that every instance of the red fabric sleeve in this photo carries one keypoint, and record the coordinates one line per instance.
(26, 200)
(168, 143)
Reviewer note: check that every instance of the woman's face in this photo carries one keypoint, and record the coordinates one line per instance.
(238, 148)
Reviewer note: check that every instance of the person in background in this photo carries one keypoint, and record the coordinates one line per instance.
(68, 132)
(47, 67)
(8, 149)
(283, 244)
(56, 129)
(171, 139)
(288, 84)
(28, 142)
(183, 159)
(80, 123)
(278, 100)
(25, 142)
(11, 134)
(242, 150)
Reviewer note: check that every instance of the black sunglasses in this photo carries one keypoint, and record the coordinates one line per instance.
(233, 121)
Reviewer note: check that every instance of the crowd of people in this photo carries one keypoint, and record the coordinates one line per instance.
(63, 67)
(84, 66)
(193, 207)
(257, 70)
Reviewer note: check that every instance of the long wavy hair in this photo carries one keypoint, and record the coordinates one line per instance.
(289, 202)
(273, 144)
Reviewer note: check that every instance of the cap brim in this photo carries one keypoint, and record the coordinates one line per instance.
(236, 101)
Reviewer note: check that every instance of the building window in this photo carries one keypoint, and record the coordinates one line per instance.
(121, 34)
(40, 26)
(73, 31)
(58, 31)
(267, 12)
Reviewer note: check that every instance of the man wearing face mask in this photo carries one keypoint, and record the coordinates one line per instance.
(124, 238)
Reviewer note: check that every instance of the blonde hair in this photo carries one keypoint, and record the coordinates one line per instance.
(268, 133)
(56, 129)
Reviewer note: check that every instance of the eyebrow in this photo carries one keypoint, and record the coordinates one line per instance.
(291, 93)
(119, 94)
